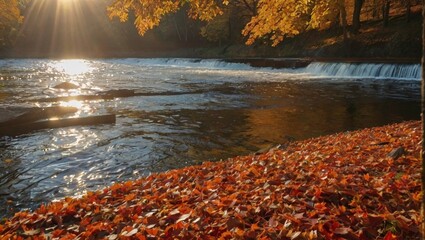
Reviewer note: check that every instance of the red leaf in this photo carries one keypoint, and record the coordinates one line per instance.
(152, 231)
(390, 236)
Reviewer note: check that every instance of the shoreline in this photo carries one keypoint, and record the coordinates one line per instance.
(348, 185)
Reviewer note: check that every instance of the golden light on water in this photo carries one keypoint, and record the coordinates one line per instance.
(73, 103)
(83, 107)
(72, 141)
(73, 67)
(73, 79)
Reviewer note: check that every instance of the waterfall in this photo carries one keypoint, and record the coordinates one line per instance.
(188, 63)
(284, 65)
(372, 70)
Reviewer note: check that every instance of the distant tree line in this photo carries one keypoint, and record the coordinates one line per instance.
(182, 23)
(266, 20)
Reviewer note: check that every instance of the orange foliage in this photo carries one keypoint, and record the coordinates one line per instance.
(10, 18)
(10, 13)
(149, 13)
(274, 19)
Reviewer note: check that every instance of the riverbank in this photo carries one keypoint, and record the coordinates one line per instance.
(399, 40)
(363, 184)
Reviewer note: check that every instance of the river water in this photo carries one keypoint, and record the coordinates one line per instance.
(227, 109)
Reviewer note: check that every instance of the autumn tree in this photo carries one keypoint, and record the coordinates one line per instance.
(218, 29)
(178, 27)
(10, 18)
(278, 20)
(240, 13)
(384, 6)
(358, 4)
(235, 16)
(386, 12)
(272, 19)
(149, 13)
(268, 21)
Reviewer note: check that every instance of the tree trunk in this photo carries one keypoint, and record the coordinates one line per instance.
(343, 19)
(386, 12)
(422, 227)
(408, 12)
(177, 28)
(358, 4)
(375, 10)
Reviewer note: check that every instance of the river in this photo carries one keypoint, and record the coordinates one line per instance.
(227, 109)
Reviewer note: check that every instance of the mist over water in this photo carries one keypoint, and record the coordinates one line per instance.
(212, 110)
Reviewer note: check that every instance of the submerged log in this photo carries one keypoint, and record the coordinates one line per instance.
(120, 93)
(23, 128)
(111, 94)
(9, 113)
(66, 86)
(39, 114)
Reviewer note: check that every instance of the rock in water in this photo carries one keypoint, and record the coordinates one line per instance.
(66, 85)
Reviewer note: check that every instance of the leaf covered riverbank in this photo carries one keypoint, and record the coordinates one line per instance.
(349, 185)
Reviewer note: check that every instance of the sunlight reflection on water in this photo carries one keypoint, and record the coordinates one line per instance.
(72, 67)
(72, 103)
(72, 140)
(79, 72)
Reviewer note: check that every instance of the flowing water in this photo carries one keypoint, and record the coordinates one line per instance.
(212, 110)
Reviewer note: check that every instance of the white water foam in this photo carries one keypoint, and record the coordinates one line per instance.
(369, 70)
(186, 63)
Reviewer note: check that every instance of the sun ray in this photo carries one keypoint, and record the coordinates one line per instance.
(70, 29)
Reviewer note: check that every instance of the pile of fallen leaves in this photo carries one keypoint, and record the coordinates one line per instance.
(355, 185)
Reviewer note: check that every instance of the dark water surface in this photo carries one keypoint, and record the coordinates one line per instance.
(228, 110)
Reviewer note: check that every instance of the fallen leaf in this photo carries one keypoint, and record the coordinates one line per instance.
(184, 217)
(130, 233)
